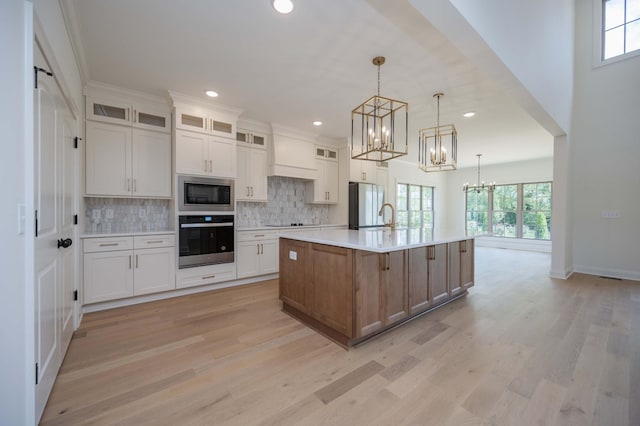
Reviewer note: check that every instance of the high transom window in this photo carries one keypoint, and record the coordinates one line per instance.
(620, 27)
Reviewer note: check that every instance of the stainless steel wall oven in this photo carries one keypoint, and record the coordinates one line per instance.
(205, 240)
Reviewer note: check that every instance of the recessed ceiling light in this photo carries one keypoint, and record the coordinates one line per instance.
(211, 93)
(469, 114)
(283, 6)
(317, 123)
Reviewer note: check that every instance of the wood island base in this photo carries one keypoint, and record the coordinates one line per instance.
(351, 295)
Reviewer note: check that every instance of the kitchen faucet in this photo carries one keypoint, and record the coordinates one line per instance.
(391, 224)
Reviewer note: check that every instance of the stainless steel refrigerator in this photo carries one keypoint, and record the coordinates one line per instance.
(365, 200)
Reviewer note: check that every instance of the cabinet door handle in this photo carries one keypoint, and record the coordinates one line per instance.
(261, 248)
(136, 261)
(135, 116)
(205, 166)
(251, 191)
(258, 249)
(135, 186)
(388, 261)
(128, 185)
(126, 115)
(129, 261)
(211, 166)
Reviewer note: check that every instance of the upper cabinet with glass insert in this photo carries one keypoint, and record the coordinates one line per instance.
(196, 119)
(127, 113)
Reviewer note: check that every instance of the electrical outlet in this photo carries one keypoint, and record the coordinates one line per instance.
(142, 213)
(611, 214)
(108, 214)
(96, 214)
(293, 255)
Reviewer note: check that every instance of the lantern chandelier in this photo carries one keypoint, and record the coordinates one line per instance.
(480, 186)
(438, 146)
(379, 126)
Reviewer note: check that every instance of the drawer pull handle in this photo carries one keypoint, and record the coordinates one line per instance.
(259, 235)
(154, 242)
(208, 276)
(109, 244)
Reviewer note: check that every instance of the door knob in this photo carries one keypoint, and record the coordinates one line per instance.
(64, 243)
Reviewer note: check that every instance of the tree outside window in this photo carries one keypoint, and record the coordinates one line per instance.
(536, 220)
(414, 207)
(477, 213)
(505, 208)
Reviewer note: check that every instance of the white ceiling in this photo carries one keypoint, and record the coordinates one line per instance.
(313, 64)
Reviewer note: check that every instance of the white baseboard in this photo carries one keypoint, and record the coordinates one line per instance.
(561, 274)
(95, 307)
(514, 244)
(608, 272)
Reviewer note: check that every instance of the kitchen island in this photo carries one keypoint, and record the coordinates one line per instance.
(352, 285)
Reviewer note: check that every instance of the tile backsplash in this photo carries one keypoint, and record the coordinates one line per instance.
(286, 205)
(106, 215)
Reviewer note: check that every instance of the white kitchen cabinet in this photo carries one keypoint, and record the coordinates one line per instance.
(201, 275)
(204, 155)
(128, 113)
(251, 182)
(292, 154)
(362, 171)
(251, 138)
(118, 267)
(257, 253)
(324, 190)
(121, 161)
(201, 120)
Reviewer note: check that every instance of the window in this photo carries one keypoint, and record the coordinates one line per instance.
(414, 207)
(505, 211)
(620, 27)
(536, 221)
(477, 213)
(511, 211)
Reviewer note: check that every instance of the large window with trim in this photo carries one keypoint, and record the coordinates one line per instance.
(620, 27)
(414, 207)
(520, 210)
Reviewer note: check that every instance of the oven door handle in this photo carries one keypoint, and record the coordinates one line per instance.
(205, 225)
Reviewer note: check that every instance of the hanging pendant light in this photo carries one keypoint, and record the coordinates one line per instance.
(379, 126)
(480, 186)
(438, 146)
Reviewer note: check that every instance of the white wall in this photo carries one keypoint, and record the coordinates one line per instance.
(16, 331)
(605, 158)
(539, 170)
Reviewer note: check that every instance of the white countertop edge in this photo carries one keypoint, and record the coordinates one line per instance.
(126, 234)
(267, 228)
(331, 240)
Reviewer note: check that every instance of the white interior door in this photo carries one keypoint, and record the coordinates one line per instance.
(47, 272)
(55, 265)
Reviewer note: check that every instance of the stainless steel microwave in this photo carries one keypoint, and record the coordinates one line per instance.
(205, 194)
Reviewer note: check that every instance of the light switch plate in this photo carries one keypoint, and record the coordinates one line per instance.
(293, 255)
(21, 218)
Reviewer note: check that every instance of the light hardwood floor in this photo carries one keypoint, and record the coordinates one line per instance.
(519, 349)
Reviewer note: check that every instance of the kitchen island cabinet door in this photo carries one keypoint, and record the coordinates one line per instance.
(455, 286)
(466, 263)
(419, 298)
(438, 283)
(332, 286)
(295, 288)
(369, 303)
(395, 280)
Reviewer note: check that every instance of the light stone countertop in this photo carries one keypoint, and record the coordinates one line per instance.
(280, 228)
(376, 240)
(126, 234)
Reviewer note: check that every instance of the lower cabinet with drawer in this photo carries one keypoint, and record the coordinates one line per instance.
(201, 275)
(257, 253)
(118, 267)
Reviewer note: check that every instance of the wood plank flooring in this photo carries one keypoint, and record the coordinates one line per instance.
(519, 349)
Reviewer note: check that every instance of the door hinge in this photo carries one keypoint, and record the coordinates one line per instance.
(36, 223)
(75, 294)
(75, 219)
(35, 75)
(36, 373)
(75, 142)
